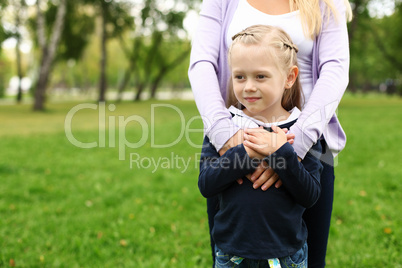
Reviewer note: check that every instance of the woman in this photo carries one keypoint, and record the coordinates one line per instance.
(319, 30)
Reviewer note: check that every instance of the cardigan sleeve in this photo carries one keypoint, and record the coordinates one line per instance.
(332, 77)
(204, 72)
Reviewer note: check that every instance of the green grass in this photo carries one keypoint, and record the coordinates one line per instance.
(64, 206)
(366, 221)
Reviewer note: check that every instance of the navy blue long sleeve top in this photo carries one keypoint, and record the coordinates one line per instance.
(257, 224)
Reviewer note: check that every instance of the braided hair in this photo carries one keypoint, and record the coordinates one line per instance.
(284, 52)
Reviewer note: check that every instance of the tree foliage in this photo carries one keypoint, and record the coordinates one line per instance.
(150, 61)
(374, 48)
(78, 27)
(142, 45)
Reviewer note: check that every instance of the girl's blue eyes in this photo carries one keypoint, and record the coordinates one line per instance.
(258, 77)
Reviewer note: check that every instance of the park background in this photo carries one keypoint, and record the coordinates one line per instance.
(99, 137)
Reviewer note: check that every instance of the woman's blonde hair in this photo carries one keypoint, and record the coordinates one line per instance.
(281, 48)
(310, 14)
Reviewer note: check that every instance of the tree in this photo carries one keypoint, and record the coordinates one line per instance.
(104, 36)
(149, 62)
(374, 47)
(387, 39)
(20, 6)
(388, 43)
(14, 12)
(3, 32)
(168, 61)
(79, 26)
(114, 19)
(358, 29)
(180, 53)
(19, 15)
(48, 49)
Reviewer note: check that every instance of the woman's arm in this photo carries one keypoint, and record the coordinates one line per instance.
(203, 74)
(332, 64)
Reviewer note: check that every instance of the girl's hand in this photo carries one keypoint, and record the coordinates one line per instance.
(263, 142)
(264, 176)
(253, 153)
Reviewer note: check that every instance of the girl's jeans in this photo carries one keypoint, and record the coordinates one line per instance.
(297, 260)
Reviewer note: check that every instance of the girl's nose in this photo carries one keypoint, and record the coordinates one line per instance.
(250, 86)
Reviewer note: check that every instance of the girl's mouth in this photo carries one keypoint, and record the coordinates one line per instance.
(252, 99)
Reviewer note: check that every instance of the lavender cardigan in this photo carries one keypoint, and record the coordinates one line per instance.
(209, 73)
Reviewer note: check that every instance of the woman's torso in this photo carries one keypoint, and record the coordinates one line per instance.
(246, 15)
(240, 205)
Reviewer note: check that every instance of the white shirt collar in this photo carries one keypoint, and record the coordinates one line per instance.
(244, 121)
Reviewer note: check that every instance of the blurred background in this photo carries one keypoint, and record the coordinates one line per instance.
(95, 49)
(133, 50)
(113, 73)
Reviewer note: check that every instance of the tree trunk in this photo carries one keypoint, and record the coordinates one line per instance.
(140, 89)
(133, 56)
(48, 50)
(149, 61)
(165, 70)
(126, 79)
(102, 79)
(123, 84)
(155, 85)
(40, 92)
(18, 59)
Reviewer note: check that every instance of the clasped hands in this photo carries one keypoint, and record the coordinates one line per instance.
(260, 143)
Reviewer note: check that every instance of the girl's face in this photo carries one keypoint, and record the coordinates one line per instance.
(258, 83)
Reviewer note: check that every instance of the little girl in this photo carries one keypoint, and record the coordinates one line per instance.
(255, 228)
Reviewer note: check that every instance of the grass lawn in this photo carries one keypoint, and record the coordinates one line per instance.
(122, 202)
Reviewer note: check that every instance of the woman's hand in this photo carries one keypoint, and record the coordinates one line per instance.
(264, 177)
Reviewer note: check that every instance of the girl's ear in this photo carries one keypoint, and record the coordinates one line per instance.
(293, 73)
